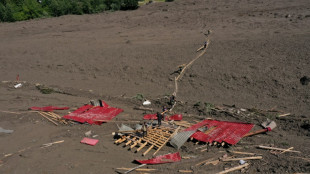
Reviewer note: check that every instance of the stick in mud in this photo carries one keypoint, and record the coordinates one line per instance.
(234, 168)
(135, 168)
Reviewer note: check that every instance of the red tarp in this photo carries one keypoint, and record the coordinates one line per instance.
(89, 141)
(169, 158)
(94, 114)
(222, 131)
(48, 108)
(177, 117)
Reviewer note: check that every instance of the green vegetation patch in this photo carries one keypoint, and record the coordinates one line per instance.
(18, 10)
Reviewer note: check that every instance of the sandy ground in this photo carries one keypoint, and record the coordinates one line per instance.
(258, 52)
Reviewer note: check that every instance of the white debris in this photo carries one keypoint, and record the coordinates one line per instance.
(146, 102)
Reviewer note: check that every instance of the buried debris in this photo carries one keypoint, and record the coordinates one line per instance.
(48, 108)
(268, 126)
(176, 117)
(94, 114)
(6, 131)
(168, 158)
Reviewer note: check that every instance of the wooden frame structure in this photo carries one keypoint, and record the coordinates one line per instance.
(156, 138)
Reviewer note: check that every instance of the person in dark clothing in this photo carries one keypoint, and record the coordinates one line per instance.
(144, 130)
(205, 45)
(172, 100)
(165, 109)
(159, 118)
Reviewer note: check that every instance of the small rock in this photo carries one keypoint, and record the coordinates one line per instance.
(288, 16)
(304, 80)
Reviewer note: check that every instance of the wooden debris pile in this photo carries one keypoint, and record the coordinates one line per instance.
(53, 117)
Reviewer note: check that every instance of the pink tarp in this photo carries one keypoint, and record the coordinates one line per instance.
(94, 114)
(222, 131)
(49, 108)
(89, 141)
(177, 117)
(169, 158)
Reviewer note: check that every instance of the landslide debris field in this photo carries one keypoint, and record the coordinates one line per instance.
(256, 67)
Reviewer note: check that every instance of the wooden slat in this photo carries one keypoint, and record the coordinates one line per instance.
(48, 118)
(130, 141)
(141, 147)
(147, 151)
(135, 143)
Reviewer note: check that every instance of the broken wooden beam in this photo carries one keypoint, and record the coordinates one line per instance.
(279, 149)
(138, 169)
(245, 158)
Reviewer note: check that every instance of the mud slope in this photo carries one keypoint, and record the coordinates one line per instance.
(258, 52)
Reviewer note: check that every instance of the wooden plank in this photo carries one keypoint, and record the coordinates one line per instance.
(141, 147)
(124, 139)
(147, 151)
(48, 119)
(287, 150)
(130, 141)
(234, 168)
(135, 143)
(280, 149)
(245, 158)
(200, 163)
(119, 139)
(244, 153)
(138, 170)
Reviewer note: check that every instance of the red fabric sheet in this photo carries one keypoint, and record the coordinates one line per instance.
(89, 141)
(92, 114)
(229, 132)
(49, 108)
(177, 117)
(169, 158)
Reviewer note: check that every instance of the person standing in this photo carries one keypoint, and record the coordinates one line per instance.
(144, 130)
(159, 118)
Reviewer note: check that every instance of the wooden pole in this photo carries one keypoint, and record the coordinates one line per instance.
(244, 153)
(245, 158)
(280, 149)
(48, 119)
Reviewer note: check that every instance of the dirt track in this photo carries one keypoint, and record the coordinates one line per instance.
(259, 50)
